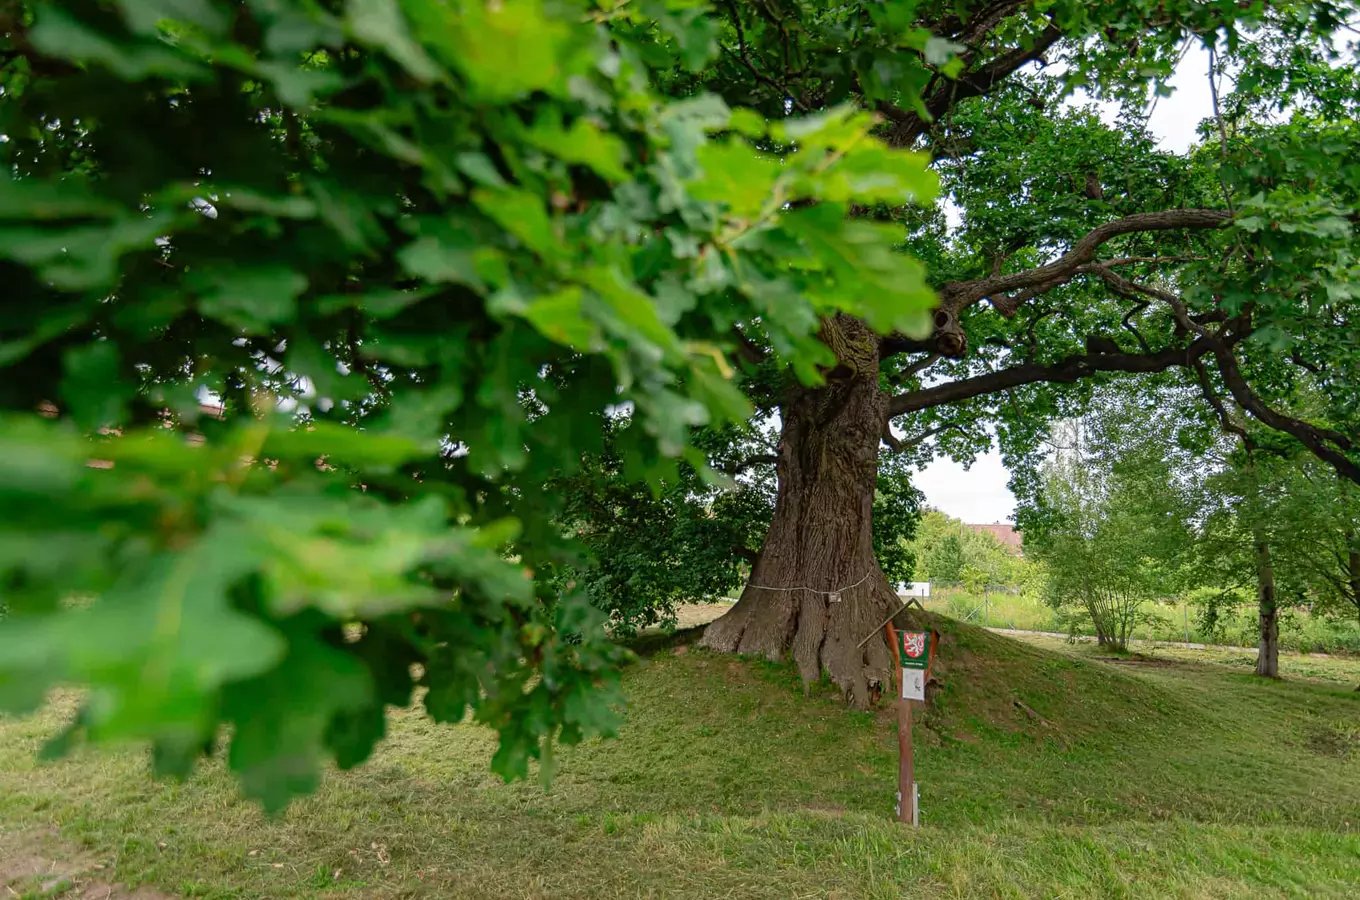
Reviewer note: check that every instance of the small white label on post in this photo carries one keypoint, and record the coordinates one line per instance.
(913, 684)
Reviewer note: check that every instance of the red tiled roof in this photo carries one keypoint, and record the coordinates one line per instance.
(1004, 532)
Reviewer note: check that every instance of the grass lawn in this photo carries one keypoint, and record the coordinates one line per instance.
(1158, 621)
(1174, 775)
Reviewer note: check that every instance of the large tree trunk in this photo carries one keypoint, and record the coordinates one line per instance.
(1268, 652)
(816, 589)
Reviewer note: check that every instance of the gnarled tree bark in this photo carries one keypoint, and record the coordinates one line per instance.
(817, 589)
(820, 540)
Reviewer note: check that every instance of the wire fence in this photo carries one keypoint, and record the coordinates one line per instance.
(996, 606)
(1173, 620)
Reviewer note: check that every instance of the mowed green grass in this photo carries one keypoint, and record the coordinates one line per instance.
(1175, 621)
(1169, 777)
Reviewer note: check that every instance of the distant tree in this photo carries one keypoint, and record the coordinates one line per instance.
(946, 547)
(1115, 534)
(897, 515)
(946, 560)
(1256, 511)
(1274, 511)
(1320, 537)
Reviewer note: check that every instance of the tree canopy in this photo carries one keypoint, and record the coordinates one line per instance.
(420, 251)
(429, 263)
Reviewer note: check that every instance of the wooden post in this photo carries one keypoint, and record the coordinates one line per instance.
(906, 763)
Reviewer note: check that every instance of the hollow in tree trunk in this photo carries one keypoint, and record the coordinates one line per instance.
(1268, 652)
(816, 589)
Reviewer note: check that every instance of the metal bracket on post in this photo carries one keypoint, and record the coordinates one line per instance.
(915, 805)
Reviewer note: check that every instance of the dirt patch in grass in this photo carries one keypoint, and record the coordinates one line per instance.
(41, 864)
(26, 855)
(1336, 739)
(1135, 660)
(692, 615)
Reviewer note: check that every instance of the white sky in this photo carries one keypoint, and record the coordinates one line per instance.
(979, 494)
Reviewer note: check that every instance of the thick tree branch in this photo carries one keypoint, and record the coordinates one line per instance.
(748, 349)
(1323, 442)
(1030, 340)
(897, 445)
(985, 20)
(907, 127)
(912, 370)
(758, 459)
(977, 22)
(1130, 289)
(1065, 371)
(1155, 260)
(1127, 322)
(1224, 419)
(1207, 390)
(920, 365)
(959, 294)
(893, 344)
(1297, 359)
(743, 56)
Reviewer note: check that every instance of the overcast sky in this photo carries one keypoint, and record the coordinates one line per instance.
(980, 494)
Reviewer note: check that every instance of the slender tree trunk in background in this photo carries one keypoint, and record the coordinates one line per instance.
(1102, 638)
(821, 536)
(1102, 619)
(1353, 557)
(1268, 652)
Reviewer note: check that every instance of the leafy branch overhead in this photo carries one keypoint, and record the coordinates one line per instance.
(419, 253)
(1073, 233)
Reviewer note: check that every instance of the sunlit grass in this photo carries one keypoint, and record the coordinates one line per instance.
(1174, 777)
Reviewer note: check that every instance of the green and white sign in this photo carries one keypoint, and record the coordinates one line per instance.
(913, 648)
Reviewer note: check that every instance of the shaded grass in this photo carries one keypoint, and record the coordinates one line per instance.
(1189, 779)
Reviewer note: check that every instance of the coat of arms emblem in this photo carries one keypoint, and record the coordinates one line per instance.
(914, 643)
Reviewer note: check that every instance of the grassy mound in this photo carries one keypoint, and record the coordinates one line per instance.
(1000, 688)
(1147, 778)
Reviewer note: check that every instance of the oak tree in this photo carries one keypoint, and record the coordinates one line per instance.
(1239, 255)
